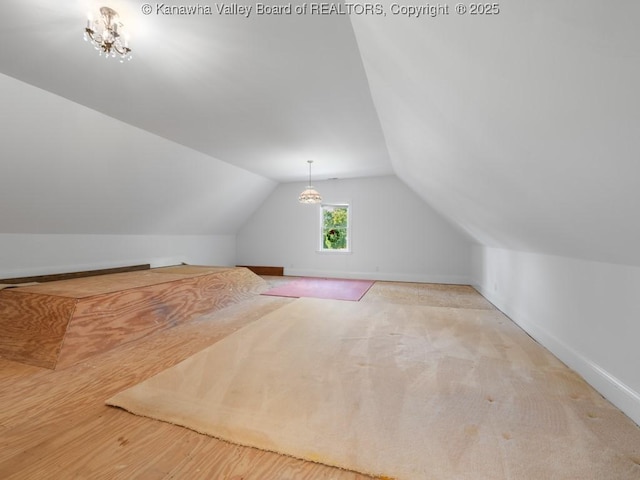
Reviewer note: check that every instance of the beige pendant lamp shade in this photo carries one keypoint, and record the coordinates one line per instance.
(309, 195)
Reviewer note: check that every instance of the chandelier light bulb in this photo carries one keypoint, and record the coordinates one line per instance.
(107, 34)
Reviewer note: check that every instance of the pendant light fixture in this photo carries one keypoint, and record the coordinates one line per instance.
(310, 195)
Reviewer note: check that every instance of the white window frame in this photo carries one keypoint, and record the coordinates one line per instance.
(321, 247)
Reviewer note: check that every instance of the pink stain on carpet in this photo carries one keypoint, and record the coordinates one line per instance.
(331, 288)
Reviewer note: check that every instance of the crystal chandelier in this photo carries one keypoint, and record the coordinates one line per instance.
(310, 195)
(106, 35)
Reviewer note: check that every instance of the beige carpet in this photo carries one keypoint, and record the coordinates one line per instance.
(404, 391)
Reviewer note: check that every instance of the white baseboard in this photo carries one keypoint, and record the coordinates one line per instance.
(381, 276)
(610, 387)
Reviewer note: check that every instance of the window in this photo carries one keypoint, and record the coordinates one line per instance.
(334, 228)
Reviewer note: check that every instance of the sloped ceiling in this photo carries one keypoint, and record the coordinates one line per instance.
(522, 127)
(264, 93)
(67, 169)
(191, 135)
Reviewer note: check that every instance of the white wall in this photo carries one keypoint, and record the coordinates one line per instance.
(586, 313)
(23, 255)
(395, 235)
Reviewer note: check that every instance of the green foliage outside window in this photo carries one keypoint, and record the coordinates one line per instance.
(334, 227)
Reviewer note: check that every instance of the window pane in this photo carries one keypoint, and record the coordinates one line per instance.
(335, 223)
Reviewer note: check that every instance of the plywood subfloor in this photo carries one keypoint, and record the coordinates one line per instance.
(101, 285)
(60, 323)
(55, 425)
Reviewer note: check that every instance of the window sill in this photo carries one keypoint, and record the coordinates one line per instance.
(334, 252)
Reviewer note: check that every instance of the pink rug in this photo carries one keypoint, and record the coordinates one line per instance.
(331, 288)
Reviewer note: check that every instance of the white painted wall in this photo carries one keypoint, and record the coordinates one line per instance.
(586, 313)
(395, 235)
(23, 255)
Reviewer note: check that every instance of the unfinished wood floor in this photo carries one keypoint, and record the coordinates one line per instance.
(54, 424)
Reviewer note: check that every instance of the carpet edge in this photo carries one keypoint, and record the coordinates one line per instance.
(122, 406)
